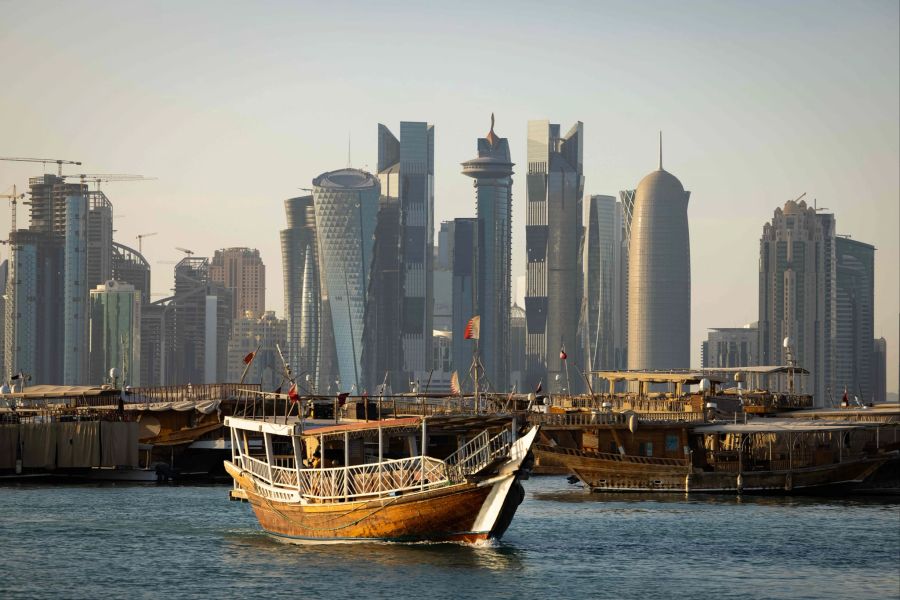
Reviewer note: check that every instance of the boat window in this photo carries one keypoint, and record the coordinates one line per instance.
(671, 443)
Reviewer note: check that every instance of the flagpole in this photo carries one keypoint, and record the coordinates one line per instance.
(247, 366)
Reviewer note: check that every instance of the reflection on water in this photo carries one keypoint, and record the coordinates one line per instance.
(255, 545)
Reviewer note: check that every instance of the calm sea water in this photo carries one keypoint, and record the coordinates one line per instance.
(128, 541)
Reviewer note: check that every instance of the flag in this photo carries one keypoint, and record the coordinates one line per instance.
(292, 393)
(473, 328)
(562, 354)
(342, 398)
(454, 384)
(249, 358)
(540, 387)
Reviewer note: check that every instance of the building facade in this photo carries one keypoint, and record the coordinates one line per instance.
(258, 334)
(406, 173)
(302, 288)
(99, 239)
(202, 312)
(659, 275)
(76, 313)
(553, 235)
(517, 348)
(465, 254)
(382, 354)
(115, 340)
(605, 268)
(492, 171)
(346, 207)
(797, 295)
(727, 347)
(241, 270)
(129, 266)
(854, 318)
(879, 370)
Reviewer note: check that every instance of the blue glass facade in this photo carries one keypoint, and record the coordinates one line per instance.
(346, 206)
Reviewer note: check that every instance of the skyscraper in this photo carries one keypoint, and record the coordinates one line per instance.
(553, 235)
(242, 271)
(346, 206)
(605, 260)
(129, 266)
(115, 325)
(34, 312)
(659, 275)
(443, 278)
(99, 239)
(302, 288)
(36, 286)
(797, 296)
(492, 172)
(406, 172)
(465, 252)
(75, 292)
(855, 313)
(202, 312)
(382, 353)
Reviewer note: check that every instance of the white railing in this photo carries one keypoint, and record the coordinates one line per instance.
(377, 479)
(477, 454)
(389, 477)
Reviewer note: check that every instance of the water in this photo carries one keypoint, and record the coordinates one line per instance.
(179, 541)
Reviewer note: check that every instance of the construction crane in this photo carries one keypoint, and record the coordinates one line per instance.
(13, 199)
(185, 250)
(140, 239)
(59, 162)
(98, 178)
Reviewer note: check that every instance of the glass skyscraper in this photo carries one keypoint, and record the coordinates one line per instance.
(492, 172)
(302, 289)
(346, 206)
(406, 172)
(553, 234)
(605, 267)
(855, 311)
(115, 333)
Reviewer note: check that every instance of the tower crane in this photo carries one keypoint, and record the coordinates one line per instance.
(98, 178)
(140, 239)
(185, 250)
(59, 162)
(13, 199)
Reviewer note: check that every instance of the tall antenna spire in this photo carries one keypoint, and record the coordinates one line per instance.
(660, 150)
(349, 162)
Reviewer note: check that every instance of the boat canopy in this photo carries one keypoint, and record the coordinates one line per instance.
(682, 377)
(764, 370)
(778, 426)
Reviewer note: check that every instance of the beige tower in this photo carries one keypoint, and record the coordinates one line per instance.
(659, 275)
(242, 271)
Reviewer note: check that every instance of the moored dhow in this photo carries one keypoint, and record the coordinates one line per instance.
(407, 479)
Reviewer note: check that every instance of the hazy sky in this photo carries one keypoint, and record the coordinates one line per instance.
(234, 106)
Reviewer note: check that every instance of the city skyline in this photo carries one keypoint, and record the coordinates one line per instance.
(817, 134)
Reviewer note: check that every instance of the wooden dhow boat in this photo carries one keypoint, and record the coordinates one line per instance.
(444, 478)
(761, 456)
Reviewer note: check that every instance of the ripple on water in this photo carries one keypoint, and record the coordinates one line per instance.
(151, 541)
